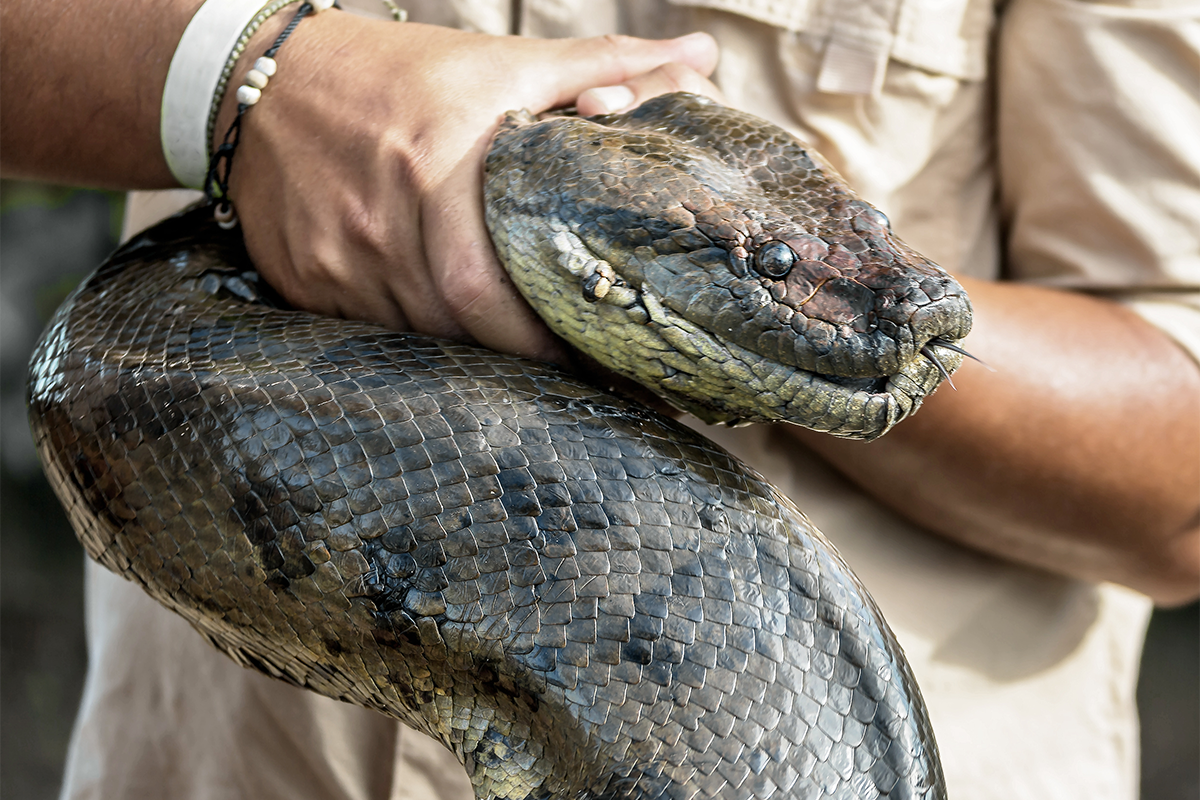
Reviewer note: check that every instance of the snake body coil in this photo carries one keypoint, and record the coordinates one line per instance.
(579, 597)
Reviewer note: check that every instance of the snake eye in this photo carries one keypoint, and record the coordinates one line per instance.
(774, 259)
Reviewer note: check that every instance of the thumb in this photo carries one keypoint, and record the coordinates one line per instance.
(672, 77)
(612, 60)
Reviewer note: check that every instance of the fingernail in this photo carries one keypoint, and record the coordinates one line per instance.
(612, 98)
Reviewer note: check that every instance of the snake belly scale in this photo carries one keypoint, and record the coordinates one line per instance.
(579, 597)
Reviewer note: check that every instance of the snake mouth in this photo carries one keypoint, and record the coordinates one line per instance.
(847, 407)
(875, 385)
(723, 382)
(916, 380)
(867, 407)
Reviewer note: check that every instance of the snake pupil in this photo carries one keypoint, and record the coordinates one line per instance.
(774, 259)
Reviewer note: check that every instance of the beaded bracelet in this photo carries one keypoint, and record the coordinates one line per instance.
(235, 54)
(216, 185)
(398, 13)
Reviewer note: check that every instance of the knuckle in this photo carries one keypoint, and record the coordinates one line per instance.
(616, 49)
(616, 42)
(281, 272)
(365, 226)
(678, 77)
(411, 153)
(308, 284)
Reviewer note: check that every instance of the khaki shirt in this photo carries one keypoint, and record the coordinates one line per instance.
(1054, 142)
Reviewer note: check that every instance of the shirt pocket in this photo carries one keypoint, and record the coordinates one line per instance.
(860, 37)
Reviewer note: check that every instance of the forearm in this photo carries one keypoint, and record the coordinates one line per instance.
(81, 88)
(1079, 454)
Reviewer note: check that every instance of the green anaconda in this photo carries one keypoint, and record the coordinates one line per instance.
(581, 598)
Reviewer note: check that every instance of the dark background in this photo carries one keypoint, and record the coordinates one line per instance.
(50, 238)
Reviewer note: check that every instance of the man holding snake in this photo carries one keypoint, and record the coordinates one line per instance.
(1014, 532)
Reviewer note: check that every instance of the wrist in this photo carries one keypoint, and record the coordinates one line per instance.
(300, 92)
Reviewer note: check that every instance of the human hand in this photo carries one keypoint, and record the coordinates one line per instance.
(358, 180)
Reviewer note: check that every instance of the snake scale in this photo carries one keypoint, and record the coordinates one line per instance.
(579, 597)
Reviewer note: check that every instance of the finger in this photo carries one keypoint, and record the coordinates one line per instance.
(476, 289)
(672, 77)
(613, 60)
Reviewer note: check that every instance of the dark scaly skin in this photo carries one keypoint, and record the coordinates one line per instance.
(580, 598)
(665, 209)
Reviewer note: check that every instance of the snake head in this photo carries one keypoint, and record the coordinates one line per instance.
(710, 256)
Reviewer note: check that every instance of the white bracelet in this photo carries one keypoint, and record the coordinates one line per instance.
(192, 82)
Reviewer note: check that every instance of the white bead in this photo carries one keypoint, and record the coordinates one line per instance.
(226, 218)
(398, 14)
(266, 66)
(321, 5)
(256, 79)
(248, 95)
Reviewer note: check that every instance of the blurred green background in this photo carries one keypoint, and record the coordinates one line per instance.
(50, 238)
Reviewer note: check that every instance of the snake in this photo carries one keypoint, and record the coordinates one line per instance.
(577, 595)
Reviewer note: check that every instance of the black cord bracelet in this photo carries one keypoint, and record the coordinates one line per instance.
(216, 183)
